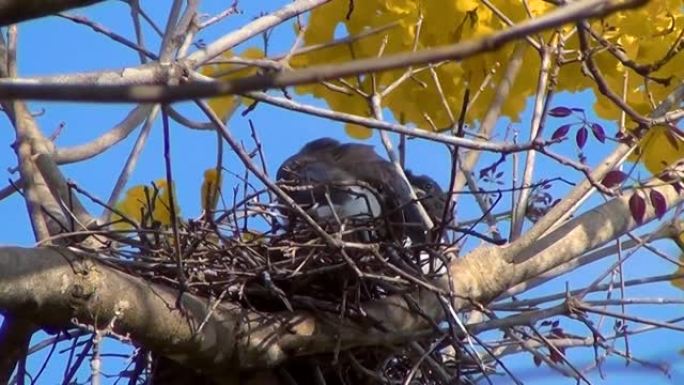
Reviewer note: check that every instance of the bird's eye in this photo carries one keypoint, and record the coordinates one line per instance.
(428, 187)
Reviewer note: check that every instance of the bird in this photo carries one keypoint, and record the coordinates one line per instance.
(430, 195)
(349, 182)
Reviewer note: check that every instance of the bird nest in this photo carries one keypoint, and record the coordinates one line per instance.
(289, 268)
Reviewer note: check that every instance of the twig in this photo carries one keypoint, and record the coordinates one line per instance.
(112, 35)
(541, 96)
(172, 201)
(231, 10)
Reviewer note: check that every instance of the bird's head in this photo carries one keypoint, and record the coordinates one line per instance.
(430, 195)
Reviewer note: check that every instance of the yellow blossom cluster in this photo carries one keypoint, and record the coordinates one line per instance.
(145, 205)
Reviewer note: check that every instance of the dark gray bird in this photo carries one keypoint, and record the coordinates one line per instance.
(430, 195)
(351, 183)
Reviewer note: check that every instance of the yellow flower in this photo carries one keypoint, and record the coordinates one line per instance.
(225, 105)
(211, 189)
(145, 205)
(659, 148)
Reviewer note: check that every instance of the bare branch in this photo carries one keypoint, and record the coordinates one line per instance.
(481, 145)
(105, 141)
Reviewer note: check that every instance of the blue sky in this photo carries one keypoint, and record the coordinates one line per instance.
(54, 45)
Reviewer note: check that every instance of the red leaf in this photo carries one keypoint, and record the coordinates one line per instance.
(637, 207)
(613, 178)
(558, 332)
(559, 112)
(556, 356)
(658, 202)
(560, 132)
(598, 132)
(581, 137)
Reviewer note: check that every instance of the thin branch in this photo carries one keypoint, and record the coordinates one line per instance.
(482, 145)
(178, 257)
(231, 10)
(600, 80)
(665, 325)
(168, 45)
(137, 27)
(376, 107)
(541, 96)
(105, 141)
(526, 303)
(112, 35)
(468, 160)
(131, 162)
(71, 205)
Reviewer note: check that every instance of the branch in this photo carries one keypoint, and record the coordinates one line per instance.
(541, 99)
(90, 292)
(479, 145)
(230, 339)
(14, 11)
(166, 93)
(250, 30)
(485, 273)
(105, 141)
(569, 204)
(589, 231)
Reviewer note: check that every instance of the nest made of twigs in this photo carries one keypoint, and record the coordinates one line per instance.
(290, 268)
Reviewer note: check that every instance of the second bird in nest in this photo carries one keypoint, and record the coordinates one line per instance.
(349, 183)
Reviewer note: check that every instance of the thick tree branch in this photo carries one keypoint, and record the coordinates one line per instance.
(55, 286)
